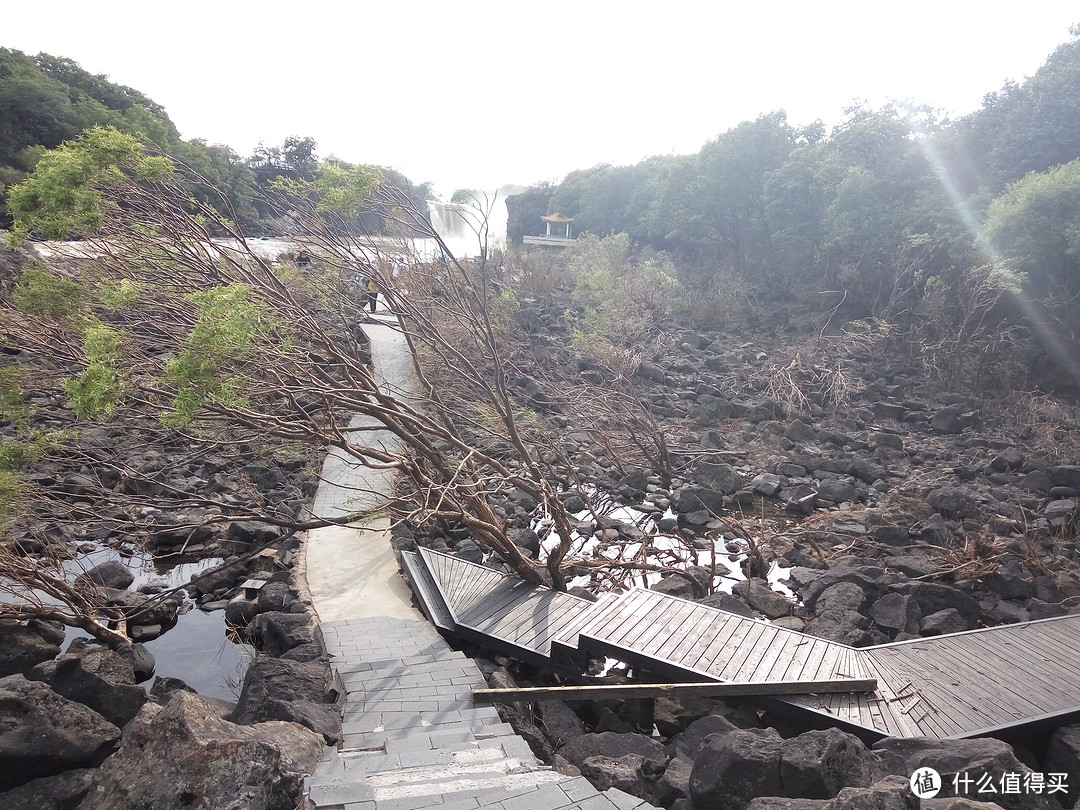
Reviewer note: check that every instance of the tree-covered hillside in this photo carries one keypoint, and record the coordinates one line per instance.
(893, 212)
(47, 100)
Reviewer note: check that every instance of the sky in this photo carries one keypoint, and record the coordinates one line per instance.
(478, 94)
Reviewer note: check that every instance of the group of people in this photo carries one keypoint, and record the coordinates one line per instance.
(369, 286)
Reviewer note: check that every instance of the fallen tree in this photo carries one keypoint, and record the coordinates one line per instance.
(157, 320)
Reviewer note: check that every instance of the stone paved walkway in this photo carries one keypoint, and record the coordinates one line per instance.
(412, 736)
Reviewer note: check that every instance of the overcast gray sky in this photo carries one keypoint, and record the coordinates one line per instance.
(477, 93)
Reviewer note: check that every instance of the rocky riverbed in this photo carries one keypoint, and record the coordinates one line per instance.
(896, 508)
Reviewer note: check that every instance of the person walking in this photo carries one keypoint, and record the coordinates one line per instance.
(372, 293)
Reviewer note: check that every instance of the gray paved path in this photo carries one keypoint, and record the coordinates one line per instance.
(412, 736)
(351, 571)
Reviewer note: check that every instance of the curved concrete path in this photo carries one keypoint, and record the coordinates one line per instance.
(412, 736)
(351, 570)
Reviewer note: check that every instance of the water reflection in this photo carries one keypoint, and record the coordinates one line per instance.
(198, 649)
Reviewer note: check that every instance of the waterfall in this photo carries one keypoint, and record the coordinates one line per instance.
(448, 219)
(456, 224)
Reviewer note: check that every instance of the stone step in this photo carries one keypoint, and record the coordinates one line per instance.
(562, 794)
(425, 787)
(427, 738)
(360, 721)
(383, 662)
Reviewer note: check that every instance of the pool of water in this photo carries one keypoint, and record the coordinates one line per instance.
(198, 649)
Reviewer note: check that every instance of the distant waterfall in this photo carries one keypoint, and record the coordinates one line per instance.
(449, 220)
(457, 223)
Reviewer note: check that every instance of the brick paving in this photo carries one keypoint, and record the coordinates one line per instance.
(412, 737)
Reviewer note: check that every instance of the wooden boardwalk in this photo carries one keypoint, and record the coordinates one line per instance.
(959, 685)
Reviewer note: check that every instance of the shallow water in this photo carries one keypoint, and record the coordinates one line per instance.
(197, 649)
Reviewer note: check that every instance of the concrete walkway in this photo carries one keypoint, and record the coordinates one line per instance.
(412, 736)
(351, 570)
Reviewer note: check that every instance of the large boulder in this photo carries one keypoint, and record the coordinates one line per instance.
(934, 596)
(520, 717)
(629, 773)
(560, 722)
(615, 746)
(813, 582)
(675, 782)
(730, 604)
(689, 744)
(42, 733)
(278, 632)
(891, 793)
(694, 499)
(61, 792)
(846, 627)
(818, 764)
(1063, 756)
(974, 757)
(954, 503)
(22, 648)
(117, 703)
(185, 755)
(733, 768)
(896, 613)
(111, 574)
(108, 664)
(717, 476)
(762, 598)
(299, 692)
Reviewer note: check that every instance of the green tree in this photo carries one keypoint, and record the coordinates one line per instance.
(523, 212)
(299, 154)
(1035, 229)
(726, 200)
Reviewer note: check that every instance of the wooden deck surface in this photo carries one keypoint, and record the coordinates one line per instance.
(505, 608)
(959, 685)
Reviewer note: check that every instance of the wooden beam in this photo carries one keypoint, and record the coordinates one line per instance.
(655, 690)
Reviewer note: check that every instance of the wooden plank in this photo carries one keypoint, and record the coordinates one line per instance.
(1042, 674)
(632, 607)
(814, 657)
(623, 691)
(473, 585)
(548, 608)
(648, 625)
(692, 644)
(661, 627)
(906, 684)
(986, 687)
(701, 618)
(501, 621)
(716, 655)
(722, 625)
(571, 636)
(773, 664)
(733, 669)
(566, 631)
(496, 603)
(765, 663)
(553, 630)
(799, 657)
(881, 712)
(734, 628)
(424, 586)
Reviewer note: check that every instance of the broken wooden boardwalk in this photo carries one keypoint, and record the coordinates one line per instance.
(959, 685)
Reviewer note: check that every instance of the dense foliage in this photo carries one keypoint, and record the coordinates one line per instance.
(880, 217)
(47, 100)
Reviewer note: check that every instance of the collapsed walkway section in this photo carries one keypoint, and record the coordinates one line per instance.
(977, 683)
